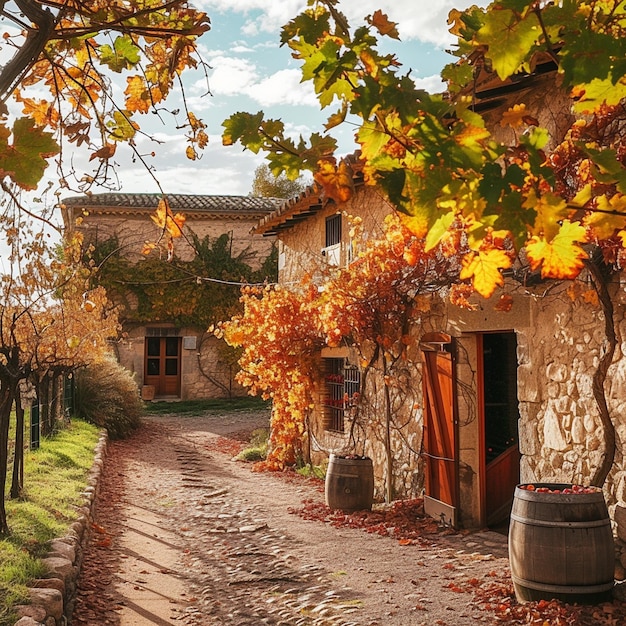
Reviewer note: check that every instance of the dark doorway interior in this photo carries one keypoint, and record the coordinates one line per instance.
(501, 416)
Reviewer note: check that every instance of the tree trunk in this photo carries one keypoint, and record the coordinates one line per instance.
(599, 376)
(5, 414)
(388, 451)
(17, 483)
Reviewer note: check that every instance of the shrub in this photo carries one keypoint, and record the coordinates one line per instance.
(257, 450)
(107, 395)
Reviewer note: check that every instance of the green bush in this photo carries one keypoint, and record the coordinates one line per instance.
(108, 396)
(257, 450)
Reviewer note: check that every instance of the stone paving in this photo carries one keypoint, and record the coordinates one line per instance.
(193, 538)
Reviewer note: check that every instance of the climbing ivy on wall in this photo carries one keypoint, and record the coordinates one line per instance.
(195, 293)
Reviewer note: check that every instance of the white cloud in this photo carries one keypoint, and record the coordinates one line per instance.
(431, 84)
(283, 88)
(231, 76)
(423, 20)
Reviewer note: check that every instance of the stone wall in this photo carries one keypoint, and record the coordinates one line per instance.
(204, 373)
(132, 231)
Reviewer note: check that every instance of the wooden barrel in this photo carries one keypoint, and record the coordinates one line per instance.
(561, 546)
(349, 483)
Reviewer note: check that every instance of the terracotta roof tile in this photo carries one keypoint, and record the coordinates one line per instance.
(178, 202)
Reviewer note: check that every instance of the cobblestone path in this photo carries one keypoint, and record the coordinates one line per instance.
(186, 536)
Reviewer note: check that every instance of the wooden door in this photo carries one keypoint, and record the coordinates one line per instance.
(162, 365)
(500, 417)
(440, 429)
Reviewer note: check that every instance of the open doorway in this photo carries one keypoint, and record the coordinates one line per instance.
(500, 417)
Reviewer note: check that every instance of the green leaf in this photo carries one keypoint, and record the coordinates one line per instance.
(25, 160)
(509, 39)
(372, 139)
(537, 138)
(599, 92)
(439, 229)
(457, 75)
(589, 57)
(120, 127)
(245, 128)
(308, 26)
(124, 55)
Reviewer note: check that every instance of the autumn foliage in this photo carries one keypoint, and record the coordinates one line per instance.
(370, 304)
(61, 77)
(280, 340)
(539, 202)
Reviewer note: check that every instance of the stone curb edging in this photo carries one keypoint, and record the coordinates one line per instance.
(52, 598)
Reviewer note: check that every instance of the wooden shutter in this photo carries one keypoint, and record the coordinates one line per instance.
(440, 429)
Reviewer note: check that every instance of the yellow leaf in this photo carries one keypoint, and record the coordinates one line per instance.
(369, 63)
(561, 257)
(551, 209)
(484, 269)
(439, 229)
(514, 116)
(609, 218)
(416, 224)
(167, 221)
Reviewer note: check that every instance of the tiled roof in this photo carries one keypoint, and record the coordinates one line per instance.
(307, 203)
(178, 202)
(292, 211)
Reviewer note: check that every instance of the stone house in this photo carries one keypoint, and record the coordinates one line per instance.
(170, 361)
(495, 398)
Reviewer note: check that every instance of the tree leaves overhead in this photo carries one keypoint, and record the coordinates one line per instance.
(62, 67)
(508, 38)
(24, 160)
(560, 256)
(436, 159)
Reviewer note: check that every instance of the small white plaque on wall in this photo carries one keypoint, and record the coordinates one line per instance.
(189, 343)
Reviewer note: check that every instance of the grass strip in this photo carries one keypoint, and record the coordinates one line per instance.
(54, 477)
(195, 408)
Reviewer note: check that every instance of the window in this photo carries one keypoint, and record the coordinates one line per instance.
(332, 251)
(342, 387)
(333, 230)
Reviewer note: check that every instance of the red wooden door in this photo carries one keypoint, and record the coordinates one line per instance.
(440, 429)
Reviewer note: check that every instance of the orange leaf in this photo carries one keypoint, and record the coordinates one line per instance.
(561, 257)
(381, 22)
(106, 152)
(337, 182)
(137, 95)
(167, 221)
(514, 116)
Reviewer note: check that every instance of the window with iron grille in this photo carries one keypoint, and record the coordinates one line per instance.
(342, 387)
(333, 230)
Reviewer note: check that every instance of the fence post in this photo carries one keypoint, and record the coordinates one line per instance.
(68, 396)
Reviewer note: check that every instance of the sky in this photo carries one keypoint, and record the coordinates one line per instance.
(250, 71)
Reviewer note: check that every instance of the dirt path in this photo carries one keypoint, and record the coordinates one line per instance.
(185, 535)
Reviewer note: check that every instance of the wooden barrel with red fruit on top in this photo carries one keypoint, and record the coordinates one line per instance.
(561, 544)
